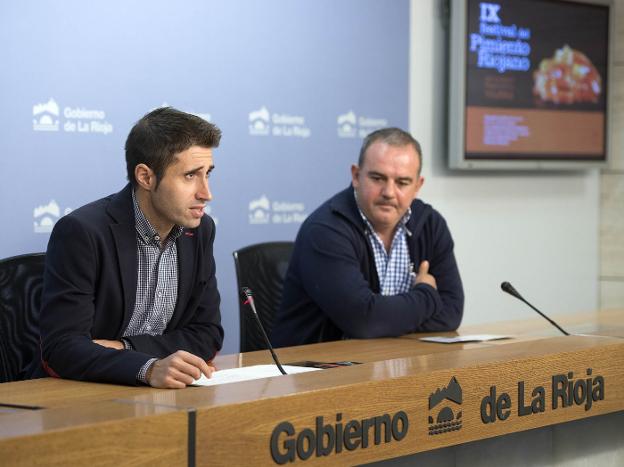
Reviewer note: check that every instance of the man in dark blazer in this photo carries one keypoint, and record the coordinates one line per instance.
(130, 294)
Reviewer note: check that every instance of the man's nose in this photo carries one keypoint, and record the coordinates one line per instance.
(203, 191)
(388, 190)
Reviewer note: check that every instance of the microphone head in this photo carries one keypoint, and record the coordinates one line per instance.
(507, 287)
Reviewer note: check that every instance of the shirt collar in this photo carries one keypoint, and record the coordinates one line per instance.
(145, 230)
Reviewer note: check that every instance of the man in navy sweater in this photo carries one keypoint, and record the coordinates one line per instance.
(372, 261)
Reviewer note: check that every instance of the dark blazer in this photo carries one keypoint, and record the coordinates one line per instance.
(89, 293)
(332, 289)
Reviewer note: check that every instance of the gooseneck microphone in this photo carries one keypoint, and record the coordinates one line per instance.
(247, 295)
(507, 287)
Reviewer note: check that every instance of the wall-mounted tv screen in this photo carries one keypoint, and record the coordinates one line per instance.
(528, 84)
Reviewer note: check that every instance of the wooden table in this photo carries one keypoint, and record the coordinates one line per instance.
(407, 396)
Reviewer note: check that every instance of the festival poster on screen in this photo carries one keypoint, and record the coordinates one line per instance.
(536, 80)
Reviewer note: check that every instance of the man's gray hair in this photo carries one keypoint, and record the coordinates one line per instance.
(393, 137)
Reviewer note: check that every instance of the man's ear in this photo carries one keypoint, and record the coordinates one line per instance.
(145, 177)
(420, 183)
(355, 172)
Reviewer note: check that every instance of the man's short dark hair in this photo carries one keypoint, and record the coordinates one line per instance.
(392, 137)
(161, 134)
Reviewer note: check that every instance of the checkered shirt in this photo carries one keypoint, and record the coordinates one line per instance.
(394, 268)
(157, 282)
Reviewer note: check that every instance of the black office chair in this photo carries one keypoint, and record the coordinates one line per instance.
(262, 268)
(21, 281)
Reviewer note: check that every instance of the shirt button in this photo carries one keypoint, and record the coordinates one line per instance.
(157, 238)
(160, 294)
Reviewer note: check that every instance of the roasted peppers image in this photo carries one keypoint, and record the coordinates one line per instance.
(568, 77)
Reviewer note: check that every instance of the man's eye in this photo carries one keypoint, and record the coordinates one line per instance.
(190, 176)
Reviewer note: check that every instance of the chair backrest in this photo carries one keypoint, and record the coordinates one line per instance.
(262, 268)
(21, 281)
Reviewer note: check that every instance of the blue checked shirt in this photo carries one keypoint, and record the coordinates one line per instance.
(157, 282)
(394, 267)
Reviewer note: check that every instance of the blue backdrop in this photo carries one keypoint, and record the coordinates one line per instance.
(294, 85)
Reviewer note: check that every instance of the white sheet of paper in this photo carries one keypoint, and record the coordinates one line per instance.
(469, 338)
(246, 373)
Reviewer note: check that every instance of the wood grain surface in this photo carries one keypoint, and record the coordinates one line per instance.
(105, 433)
(101, 424)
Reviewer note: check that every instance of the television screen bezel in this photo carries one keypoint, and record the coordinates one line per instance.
(457, 101)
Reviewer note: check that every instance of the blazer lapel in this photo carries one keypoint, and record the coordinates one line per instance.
(124, 235)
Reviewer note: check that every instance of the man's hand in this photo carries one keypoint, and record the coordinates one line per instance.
(423, 275)
(110, 344)
(177, 370)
